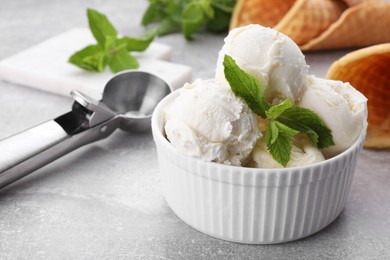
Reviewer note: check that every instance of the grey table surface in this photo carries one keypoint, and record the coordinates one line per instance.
(104, 200)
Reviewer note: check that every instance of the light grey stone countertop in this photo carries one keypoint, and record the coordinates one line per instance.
(104, 200)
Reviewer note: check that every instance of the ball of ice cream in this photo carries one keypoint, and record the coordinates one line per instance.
(303, 153)
(209, 122)
(342, 108)
(271, 57)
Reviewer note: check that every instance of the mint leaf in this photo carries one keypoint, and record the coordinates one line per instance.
(278, 140)
(150, 14)
(312, 135)
(220, 21)
(90, 58)
(122, 60)
(276, 110)
(207, 8)
(245, 86)
(281, 148)
(285, 130)
(168, 26)
(101, 28)
(188, 15)
(159, 10)
(306, 121)
(109, 50)
(271, 132)
(137, 44)
(192, 19)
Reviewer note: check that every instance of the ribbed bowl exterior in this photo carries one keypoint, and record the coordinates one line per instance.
(248, 205)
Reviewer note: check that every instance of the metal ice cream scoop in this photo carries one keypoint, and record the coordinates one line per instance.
(128, 101)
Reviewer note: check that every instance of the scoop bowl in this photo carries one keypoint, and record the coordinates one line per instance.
(133, 95)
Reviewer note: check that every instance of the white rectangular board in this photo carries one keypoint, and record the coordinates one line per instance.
(44, 66)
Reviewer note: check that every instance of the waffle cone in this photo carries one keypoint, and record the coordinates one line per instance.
(264, 12)
(359, 26)
(351, 3)
(368, 71)
(307, 19)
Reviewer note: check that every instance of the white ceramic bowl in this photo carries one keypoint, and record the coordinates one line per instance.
(248, 205)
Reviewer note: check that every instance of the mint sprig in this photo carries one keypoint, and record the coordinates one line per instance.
(284, 119)
(189, 16)
(109, 50)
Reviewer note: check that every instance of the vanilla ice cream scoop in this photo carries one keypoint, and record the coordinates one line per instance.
(303, 153)
(271, 57)
(208, 121)
(342, 108)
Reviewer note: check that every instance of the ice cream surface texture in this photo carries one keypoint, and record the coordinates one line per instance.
(209, 122)
(342, 108)
(269, 56)
(303, 153)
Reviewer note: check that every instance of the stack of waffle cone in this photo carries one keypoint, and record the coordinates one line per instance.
(351, 3)
(368, 71)
(308, 19)
(320, 24)
(262, 12)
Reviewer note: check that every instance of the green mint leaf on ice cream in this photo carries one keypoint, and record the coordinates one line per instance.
(245, 86)
(109, 50)
(278, 140)
(284, 120)
(306, 121)
(276, 110)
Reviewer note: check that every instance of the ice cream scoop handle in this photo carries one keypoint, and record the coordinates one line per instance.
(28, 151)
